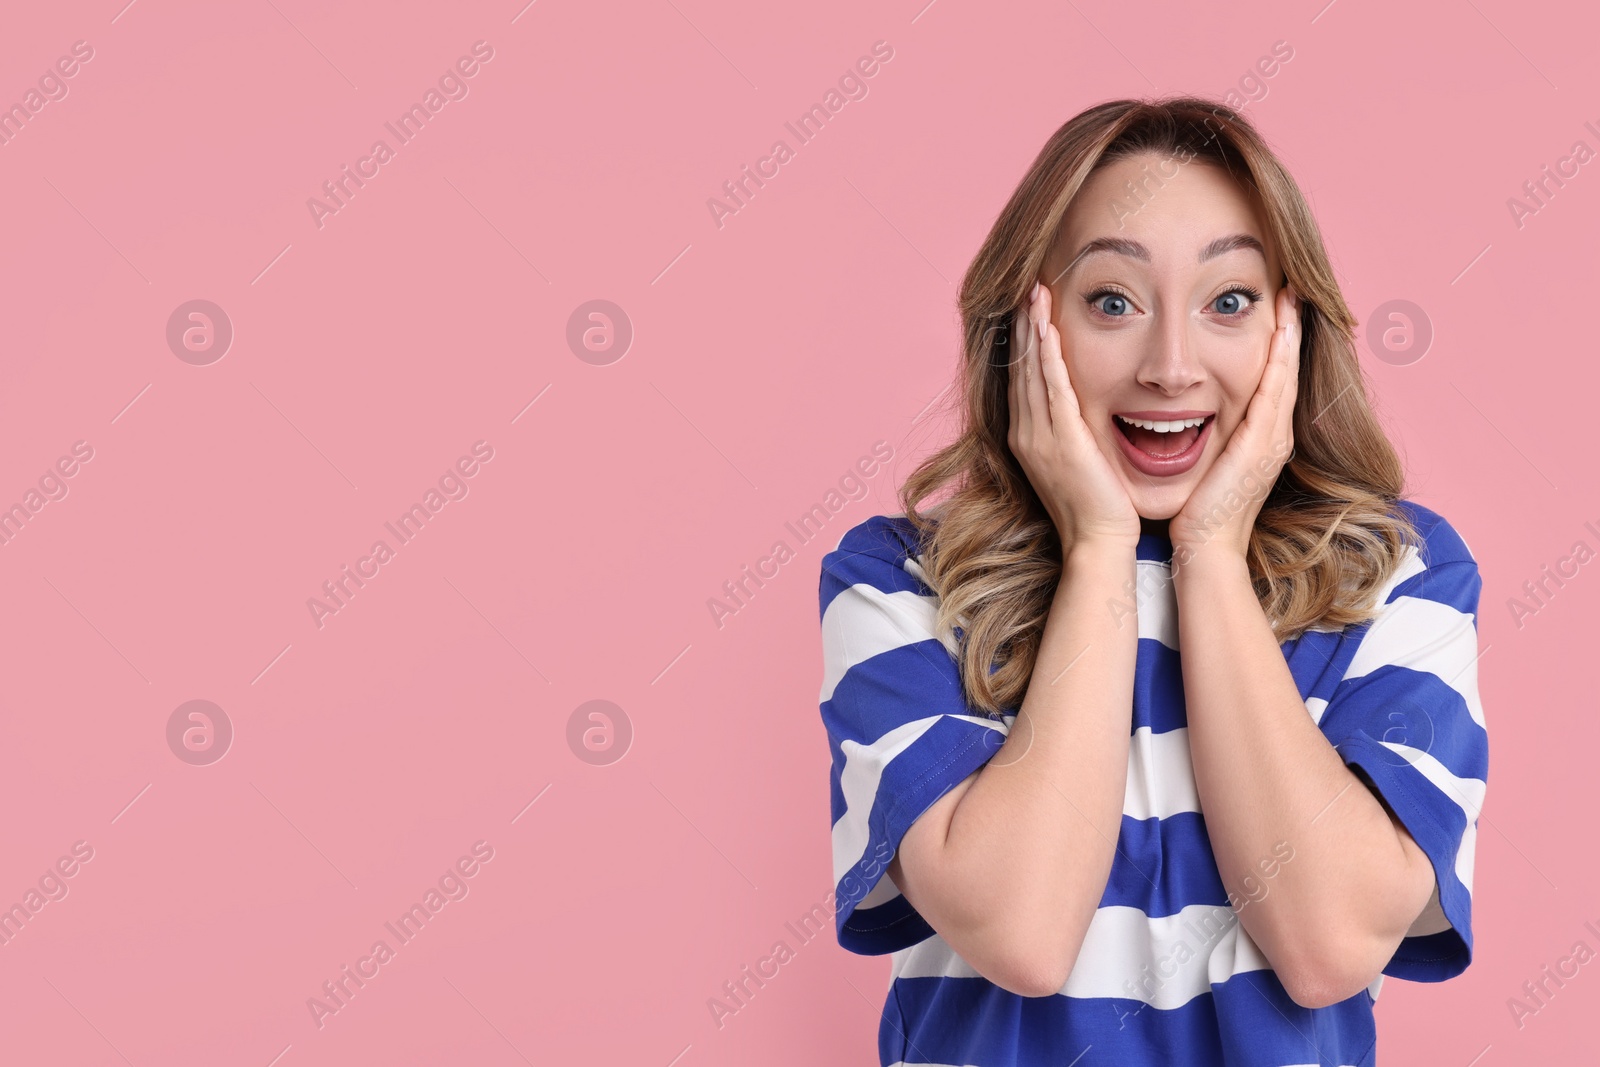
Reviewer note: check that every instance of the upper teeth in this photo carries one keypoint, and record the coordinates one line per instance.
(1162, 427)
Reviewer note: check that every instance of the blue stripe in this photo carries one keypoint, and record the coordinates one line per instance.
(874, 554)
(893, 688)
(1162, 866)
(1413, 708)
(1247, 1021)
(1457, 584)
(1317, 661)
(886, 928)
(1157, 688)
(1154, 548)
(1441, 543)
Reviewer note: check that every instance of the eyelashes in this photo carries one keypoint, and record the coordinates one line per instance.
(1093, 299)
(1249, 290)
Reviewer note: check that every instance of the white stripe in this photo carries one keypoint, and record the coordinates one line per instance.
(1466, 854)
(1467, 794)
(1160, 775)
(1424, 635)
(858, 781)
(1316, 706)
(863, 621)
(1158, 603)
(864, 765)
(1411, 565)
(1164, 962)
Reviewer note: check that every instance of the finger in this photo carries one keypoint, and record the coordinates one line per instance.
(1061, 399)
(1038, 398)
(1291, 353)
(1283, 348)
(1264, 406)
(1016, 370)
(1284, 342)
(1291, 388)
(1271, 383)
(1280, 383)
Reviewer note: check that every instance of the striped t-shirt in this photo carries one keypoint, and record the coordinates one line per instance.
(1167, 973)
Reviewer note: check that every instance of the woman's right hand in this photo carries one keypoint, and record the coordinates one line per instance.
(1074, 480)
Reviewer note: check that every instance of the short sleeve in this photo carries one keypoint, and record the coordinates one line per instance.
(1407, 713)
(899, 729)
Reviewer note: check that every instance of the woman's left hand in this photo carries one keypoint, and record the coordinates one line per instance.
(1221, 512)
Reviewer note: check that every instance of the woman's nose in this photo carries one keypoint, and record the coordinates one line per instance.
(1170, 363)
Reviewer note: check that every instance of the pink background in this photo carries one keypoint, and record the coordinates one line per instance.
(768, 355)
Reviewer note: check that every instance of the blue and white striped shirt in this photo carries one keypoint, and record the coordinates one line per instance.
(1167, 973)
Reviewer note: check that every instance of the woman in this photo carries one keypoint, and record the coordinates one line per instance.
(1166, 443)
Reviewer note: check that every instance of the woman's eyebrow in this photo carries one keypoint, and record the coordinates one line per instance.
(1125, 246)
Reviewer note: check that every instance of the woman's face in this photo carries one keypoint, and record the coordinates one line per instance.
(1165, 306)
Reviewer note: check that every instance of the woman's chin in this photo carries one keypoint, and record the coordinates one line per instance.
(1157, 499)
(1159, 505)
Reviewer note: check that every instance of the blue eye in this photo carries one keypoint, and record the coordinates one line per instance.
(1115, 304)
(1231, 298)
(1119, 302)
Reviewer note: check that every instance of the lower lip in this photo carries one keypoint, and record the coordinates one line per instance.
(1164, 466)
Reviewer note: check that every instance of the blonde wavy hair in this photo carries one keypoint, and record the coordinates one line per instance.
(1328, 534)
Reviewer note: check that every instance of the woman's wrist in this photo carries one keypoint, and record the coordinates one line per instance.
(1108, 551)
(1208, 561)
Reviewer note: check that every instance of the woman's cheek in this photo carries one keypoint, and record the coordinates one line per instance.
(1243, 371)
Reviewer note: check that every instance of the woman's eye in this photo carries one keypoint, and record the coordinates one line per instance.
(1111, 303)
(1232, 302)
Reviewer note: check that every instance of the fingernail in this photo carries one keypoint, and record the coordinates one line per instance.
(1033, 294)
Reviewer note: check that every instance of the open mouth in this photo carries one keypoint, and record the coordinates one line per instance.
(1162, 439)
(1163, 447)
